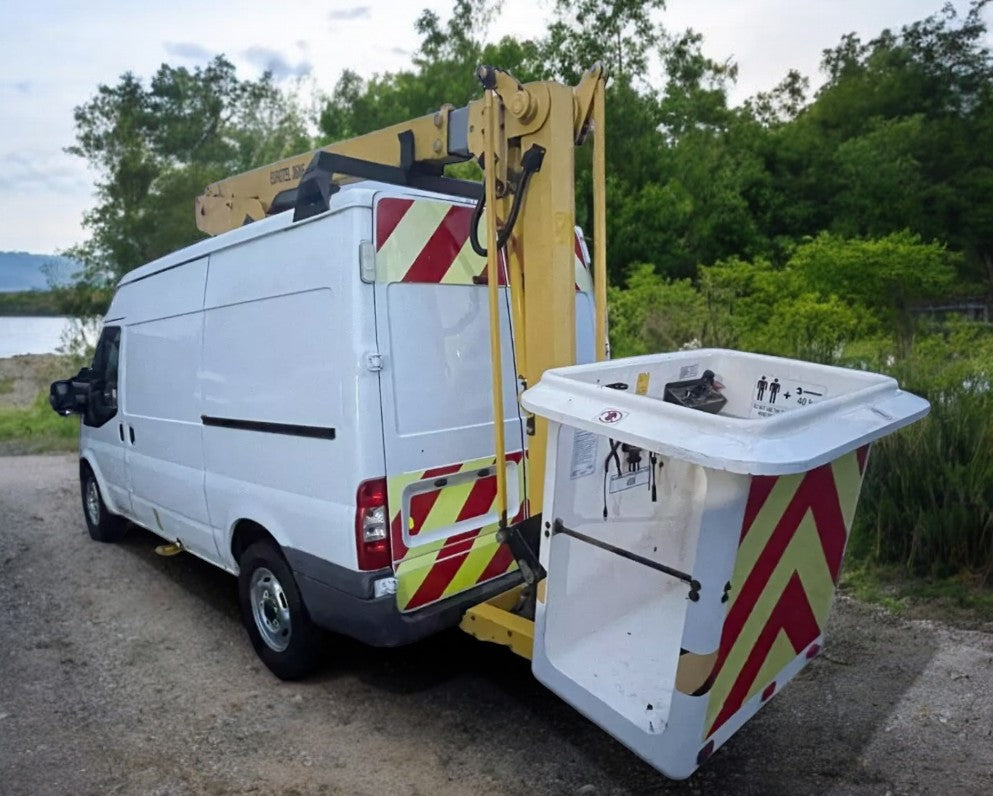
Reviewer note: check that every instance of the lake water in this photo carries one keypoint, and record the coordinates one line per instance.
(27, 335)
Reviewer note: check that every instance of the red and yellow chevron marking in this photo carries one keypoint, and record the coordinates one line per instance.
(423, 240)
(789, 558)
(444, 567)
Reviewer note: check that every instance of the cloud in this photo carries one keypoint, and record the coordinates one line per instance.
(399, 51)
(20, 86)
(187, 49)
(351, 12)
(31, 173)
(274, 61)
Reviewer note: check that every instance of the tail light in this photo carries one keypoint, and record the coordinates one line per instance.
(372, 525)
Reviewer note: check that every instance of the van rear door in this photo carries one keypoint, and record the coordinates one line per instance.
(432, 324)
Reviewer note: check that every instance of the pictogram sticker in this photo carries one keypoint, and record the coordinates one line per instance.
(611, 416)
(773, 395)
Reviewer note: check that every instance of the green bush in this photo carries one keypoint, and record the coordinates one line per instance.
(654, 314)
(927, 501)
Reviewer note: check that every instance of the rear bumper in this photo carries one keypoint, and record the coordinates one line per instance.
(341, 600)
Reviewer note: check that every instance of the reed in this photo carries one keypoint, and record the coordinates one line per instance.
(927, 501)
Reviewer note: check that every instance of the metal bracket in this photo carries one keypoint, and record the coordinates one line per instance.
(374, 362)
(313, 195)
(694, 595)
(523, 540)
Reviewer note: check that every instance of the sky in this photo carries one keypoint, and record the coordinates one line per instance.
(54, 55)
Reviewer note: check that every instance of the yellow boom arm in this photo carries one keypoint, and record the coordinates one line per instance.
(233, 202)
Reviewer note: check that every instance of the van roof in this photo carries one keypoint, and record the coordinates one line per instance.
(359, 194)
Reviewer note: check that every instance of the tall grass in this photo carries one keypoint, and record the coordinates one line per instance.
(927, 502)
(36, 429)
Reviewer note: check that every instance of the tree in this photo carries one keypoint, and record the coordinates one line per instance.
(155, 148)
(899, 137)
(443, 71)
(620, 34)
(831, 292)
(887, 276)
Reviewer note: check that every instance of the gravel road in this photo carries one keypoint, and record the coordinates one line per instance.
(123, 672)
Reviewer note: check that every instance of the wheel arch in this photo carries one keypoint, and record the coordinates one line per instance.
(88, 462)
(246, 532)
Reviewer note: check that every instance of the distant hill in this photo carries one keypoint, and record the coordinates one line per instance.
(23, 271)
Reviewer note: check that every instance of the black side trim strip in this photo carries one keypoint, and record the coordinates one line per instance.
(315, 432)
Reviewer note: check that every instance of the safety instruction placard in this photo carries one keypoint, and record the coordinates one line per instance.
(772, 395)
(641, 477)
(584, 449)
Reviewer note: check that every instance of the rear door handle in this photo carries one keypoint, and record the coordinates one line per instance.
(120, 431)
(131, 433)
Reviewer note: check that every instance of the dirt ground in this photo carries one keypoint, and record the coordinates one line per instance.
(122, 672)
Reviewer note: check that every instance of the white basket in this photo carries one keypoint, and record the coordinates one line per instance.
(669, 622)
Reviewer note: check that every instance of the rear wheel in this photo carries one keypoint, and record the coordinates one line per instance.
(274, 615)
(102, 525)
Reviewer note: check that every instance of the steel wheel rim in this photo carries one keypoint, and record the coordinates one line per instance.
(93, 501)
(270, 609)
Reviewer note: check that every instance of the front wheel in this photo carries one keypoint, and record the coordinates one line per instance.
(274, 615)
(102, 525)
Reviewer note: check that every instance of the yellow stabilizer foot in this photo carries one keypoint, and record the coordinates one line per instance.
(173, 549)
(493, 621)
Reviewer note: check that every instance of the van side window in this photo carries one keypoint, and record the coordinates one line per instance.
(102, 403)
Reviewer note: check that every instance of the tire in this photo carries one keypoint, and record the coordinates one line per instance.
(274, 615)
(102, 525)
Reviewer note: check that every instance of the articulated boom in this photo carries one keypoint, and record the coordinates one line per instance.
(524, 136)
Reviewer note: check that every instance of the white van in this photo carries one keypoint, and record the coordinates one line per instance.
(307, 405)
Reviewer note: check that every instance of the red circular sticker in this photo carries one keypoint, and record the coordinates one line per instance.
(610, 415)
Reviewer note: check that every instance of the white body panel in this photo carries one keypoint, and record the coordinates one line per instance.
(163, 340)
(287, 322)
(440, 360)
(269, 324)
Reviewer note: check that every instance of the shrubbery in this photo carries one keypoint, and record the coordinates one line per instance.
(927, 501)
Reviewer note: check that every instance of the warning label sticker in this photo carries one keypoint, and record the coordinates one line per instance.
(772, 395)
(584, 446)
(618, 483)
(611, 416)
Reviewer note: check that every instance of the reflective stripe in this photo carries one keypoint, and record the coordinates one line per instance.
(431, 571)
(785, 574)
(427, 241)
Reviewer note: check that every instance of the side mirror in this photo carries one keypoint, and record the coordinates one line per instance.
(68, 396)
